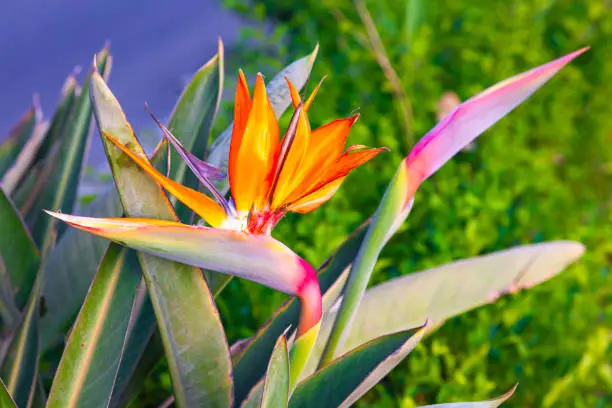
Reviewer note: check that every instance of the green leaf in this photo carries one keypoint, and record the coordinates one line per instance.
(68, 96)
(25, 160)
(63, 171)
(448, 290)
(414, 19)
(30, 187)
(253, 400)
(18, 137)
(20, 366)
(196, 349)
(276, 382)
(334, 385)
(90, 360)
(17, 250)
(191, 121)
(250, 364)
(6, 401)
(142, 328)
(492, 403)
(132, 384)
(70, 268)
(40, 399)
(278, 93)
(378, 232)
(8, 310)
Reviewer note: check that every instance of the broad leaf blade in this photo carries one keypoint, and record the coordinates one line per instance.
(448, 290)
(492, 403)
(90, 360)
(63, 171)
(18, 252)
(20, 366)
(324, 389)
(18, 137)
(200, 375)
(276, 382)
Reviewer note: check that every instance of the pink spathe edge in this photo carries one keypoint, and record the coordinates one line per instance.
(477, 114)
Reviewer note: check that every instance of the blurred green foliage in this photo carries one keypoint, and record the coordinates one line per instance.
(543, 173)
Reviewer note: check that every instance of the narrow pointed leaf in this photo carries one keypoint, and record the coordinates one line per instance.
(6, 401)
(196, 349)
(18, 137)
(492, 403)
(58, 126)
(276, 383)
(323, 389)
(278, 94)
(90, 360)
(63, 171)
(250, 364)
(191, 121)
(18, 252)
(384, 368)
(20, 366)
(448, 290)
(460, 127)
(24, 161)
(30, 187)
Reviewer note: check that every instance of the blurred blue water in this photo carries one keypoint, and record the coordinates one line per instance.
(156, 45)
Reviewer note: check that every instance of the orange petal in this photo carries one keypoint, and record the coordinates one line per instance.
(203, 205)
(325, 148)
(295, 96)
(242, 108)
(289, 174)
(254, 161)
(347, 163)
(313, 94)
(314, 200)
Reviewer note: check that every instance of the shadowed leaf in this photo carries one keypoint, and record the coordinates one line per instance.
(18, 252)
(18, 137)
(63, 170)
(323, 389)
(90, 360)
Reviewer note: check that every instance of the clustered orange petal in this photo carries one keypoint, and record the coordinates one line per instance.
(270, 177)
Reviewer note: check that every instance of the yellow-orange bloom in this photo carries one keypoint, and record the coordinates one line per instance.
(268, 176)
